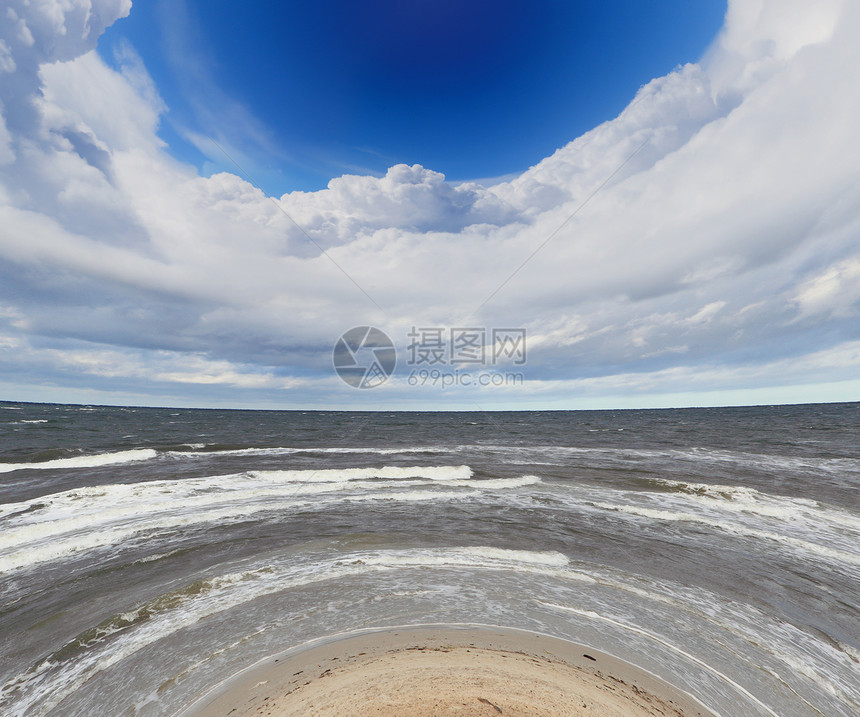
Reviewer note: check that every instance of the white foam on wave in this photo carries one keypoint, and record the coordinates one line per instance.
(742, 499)
(729, 492)
(90, 461)
(45, 685)
(323, 475)
(62, 524)
(817, 529)
(552, 454)
(838, 556)
(291, 450)
(769, 461)
(471, 557)
(498, 483)
(690, 456)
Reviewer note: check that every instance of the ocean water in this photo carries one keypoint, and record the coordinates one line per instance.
(148, 554)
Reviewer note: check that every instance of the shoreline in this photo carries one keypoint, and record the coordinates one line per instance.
(445, 670)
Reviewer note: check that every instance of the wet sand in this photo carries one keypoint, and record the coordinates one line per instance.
(446, 671)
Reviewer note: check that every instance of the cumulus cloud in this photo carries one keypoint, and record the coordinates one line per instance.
(35, 33)
(412, 198)
(706, 239)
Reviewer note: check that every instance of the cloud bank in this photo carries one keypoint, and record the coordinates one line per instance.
(704, 243)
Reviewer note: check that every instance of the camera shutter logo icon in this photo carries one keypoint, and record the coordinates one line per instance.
(364, 357)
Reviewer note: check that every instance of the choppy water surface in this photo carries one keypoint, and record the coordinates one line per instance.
(147, 554)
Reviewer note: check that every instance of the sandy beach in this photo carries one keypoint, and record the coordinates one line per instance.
(446, 671)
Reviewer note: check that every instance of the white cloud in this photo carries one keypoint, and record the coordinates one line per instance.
(119, 112)
(7, 154)
(836, 291)
(817, 366)
(7, 62)
(720, 250)
(412, 198)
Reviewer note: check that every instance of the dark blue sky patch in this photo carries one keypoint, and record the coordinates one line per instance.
(471, 89)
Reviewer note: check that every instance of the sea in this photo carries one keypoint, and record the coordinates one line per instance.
(147, 555)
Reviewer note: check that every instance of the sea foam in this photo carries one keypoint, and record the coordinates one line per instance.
(91, 461)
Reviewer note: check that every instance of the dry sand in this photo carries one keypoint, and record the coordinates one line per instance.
(433, 672)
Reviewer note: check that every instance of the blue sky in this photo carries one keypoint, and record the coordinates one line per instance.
(198, 199)
(479, 89)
